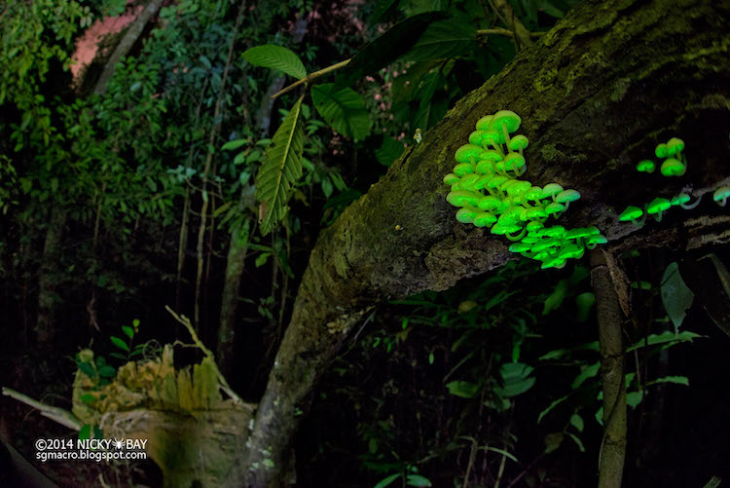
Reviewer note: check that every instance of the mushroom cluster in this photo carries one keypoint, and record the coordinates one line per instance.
(675, 164)
(485, 185)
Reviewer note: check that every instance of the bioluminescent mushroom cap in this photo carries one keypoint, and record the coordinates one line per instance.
(631, 213)
(554, 231)
(476, 137)
(491, 155)
(514, 162)
(466, 215)
(483, 123)
(520, 247)
(518, 143)
(556, 262)
(661, 151)
(680, 199)
(505, 118)
(462, 169)
(658, 205)
(450, 179)
(484, 219)
(468, 153)
(496, 181)
(467, 181)
(518, 188)
(462, 198)
(534, 226)
(567, 196)
(721, 195)
(551, 189)
(673, 167)
(533, 194)
(674, 146)
(485, 167)
(594, 240)
(646, 166)
(491, 137)
(578, 233)
(490, 203)
(572, 251)
(482, 182)
(554, 208)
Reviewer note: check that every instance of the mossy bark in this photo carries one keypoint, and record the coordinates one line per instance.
(596, 94)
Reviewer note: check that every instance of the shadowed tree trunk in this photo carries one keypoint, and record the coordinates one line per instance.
(596, 94)
(45, 330)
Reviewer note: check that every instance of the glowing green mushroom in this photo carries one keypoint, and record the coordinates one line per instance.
(450, 179)
(661, 151)
(567, 196)
(631, 214)
(675, 146)
(483, 123)
(462, 198)
(506, 122)
(657, 207)
(476, 137)
(682, 200)
(467, 181)
(468, 153)
(550, 190)
(462, 169)
(646, 166)
(484, 219)
(519, 143)
(721, 195)
(673, 167)
(515, 162)
(594, 240)
(554, 208)
(466, 215)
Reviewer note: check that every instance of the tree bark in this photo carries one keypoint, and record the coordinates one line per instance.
(596, 94)
(613, 446)
(126, 44)
(45, 330)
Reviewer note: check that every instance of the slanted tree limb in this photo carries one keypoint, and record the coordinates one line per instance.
(613, 447)
(126, 44)
(596, 94)
(59, 415)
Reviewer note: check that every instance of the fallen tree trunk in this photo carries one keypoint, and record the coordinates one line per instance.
(596, 94)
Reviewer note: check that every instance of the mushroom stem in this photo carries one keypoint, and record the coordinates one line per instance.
(690, 206)
(639, 223)
(497, 148)
(659, 216)
(519, 236)
(506, 136)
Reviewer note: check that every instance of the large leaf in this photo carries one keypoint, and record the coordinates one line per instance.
(517, 380)
(676, 296)
(395, 42)
(463, 389)
(281, 169)
(276, 57)
(343, 110)
(445, 39)
(389, 151)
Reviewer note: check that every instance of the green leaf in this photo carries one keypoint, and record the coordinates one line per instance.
(417, 480)
(556, 298)
(587, 372)
(281, 169)
(386, 481)
(553, 441)
(88, 398)
(676, 296)
(577, 441)
(444, 39)
(118, 356)
(389, 151)
(381, 8)
(516, 380)
(120, 343)
(128, 331)
(85, 432)
(343, 110)
(463, 389)
(261, 259)
(502, 452)
(231, 145)
(577, 422)
(679, 380)
(107, 372)
(585, 303)
(551, 406)
(87, 369)
(395, 42)
(276, 57)
(634, 398)
(665, 338)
